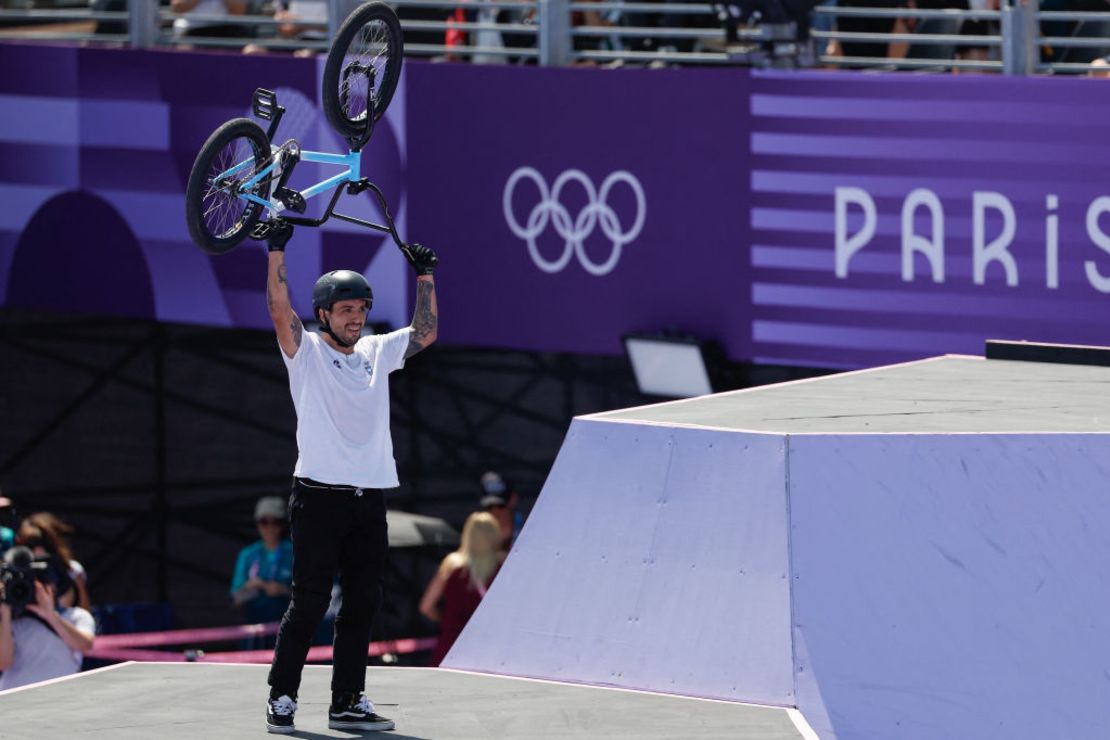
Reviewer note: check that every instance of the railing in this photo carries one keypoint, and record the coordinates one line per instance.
(935, 46)
(489, 31)
(1016, 40)
(1087, 40)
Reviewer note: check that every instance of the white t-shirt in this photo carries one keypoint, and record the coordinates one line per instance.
(40, 654)
(342, 404)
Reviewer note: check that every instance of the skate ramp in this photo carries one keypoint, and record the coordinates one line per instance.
(952, 586)
(888, 583)
(656, 558)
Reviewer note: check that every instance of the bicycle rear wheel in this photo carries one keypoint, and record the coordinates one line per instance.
(217, 217)
(362, 68)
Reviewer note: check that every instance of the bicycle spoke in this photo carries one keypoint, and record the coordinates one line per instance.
(224, 211)
(369, 49)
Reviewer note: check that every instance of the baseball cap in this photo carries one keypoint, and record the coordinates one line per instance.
(495, 491)
(272, 506)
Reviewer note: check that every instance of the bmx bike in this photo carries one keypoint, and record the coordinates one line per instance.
(240, 173)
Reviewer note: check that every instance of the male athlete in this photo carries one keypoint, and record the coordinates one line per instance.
(340, 385)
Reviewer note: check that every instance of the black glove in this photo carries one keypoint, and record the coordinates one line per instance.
(422, 259)
(280, 233)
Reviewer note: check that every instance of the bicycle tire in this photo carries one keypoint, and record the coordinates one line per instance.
(370, 26)
(217, 219)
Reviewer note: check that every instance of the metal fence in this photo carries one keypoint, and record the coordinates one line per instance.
(1017, 39)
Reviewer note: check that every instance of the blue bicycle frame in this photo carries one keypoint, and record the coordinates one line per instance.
(351, 177)
(351, 160)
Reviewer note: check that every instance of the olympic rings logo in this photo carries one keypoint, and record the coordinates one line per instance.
(597, 212)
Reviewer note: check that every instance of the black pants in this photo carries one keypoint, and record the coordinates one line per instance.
(335, 529)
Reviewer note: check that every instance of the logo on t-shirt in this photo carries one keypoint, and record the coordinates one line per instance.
(368, 368)
(336, 363)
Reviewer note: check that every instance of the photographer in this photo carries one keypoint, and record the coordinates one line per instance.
(9, 521)
(40, 639)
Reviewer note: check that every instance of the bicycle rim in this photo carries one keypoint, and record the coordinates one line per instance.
(223, 212)
(371, 48)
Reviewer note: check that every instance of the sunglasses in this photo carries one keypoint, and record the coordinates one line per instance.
(267, 521)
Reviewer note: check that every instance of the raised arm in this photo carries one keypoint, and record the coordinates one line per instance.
(286, 323)
(425, 315)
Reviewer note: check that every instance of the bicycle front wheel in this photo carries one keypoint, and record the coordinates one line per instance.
(218, 218)
(362, 68)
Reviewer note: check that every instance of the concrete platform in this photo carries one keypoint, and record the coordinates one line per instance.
(141, 701)
(953, 394)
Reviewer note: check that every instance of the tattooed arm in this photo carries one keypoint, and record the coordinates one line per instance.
(425, 317)
(288, 326)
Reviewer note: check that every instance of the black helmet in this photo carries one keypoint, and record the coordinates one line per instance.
(340, 285)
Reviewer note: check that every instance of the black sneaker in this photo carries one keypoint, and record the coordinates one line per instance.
(279, 714)
(355, 712)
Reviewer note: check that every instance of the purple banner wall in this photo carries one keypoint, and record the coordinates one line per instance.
(824, 219)
(971, 208)
(95, 150)
(510, 167)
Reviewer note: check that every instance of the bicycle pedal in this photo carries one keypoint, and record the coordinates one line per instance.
(291, 199)
(262, 230)
(264, 103)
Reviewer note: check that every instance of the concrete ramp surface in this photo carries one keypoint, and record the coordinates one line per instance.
(656, 558)
(889, 584)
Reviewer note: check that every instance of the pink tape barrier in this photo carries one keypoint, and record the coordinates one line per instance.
(184, 637)
(320, 653)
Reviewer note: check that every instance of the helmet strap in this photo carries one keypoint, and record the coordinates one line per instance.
(325, 326)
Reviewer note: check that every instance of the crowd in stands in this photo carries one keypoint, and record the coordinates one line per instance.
(967, 27)
(235, 21)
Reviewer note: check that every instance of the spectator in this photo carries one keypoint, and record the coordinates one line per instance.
(859, 24)
(45, 534)
(1100, 68)
(294, 17)
(978, 52)
(462, 580)
(44, 639)
(264, 570)
(9, 520)
(184, 26)
(500, 500)
(295, 12)
(928, 48)
(486, 37)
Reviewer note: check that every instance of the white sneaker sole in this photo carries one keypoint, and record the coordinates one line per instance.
(338, 724)
(280, 729)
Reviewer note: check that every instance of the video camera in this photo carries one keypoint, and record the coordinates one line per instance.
(19, 571)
